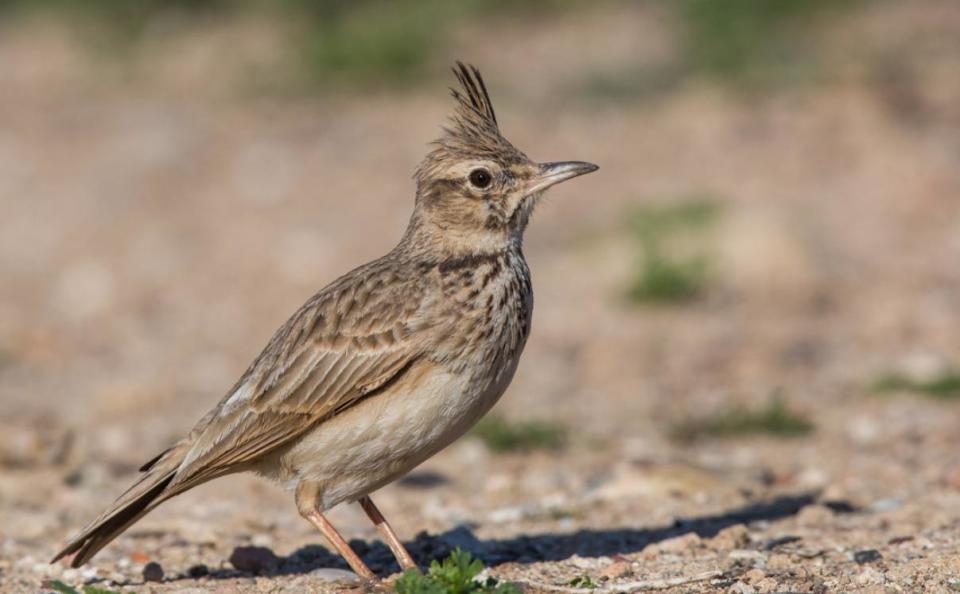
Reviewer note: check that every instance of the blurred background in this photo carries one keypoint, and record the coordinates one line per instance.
(755, 299)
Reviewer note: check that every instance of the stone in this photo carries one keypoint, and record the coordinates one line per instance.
(332, 574)
(867, 556)
(616, 569)
(885, 505)
(680, 543)
(198, 571)
(732, 537)
(152, 572)
(253, 559)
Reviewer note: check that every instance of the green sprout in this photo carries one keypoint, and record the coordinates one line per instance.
(455, 575)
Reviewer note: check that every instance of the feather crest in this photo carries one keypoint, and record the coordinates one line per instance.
(472, 131)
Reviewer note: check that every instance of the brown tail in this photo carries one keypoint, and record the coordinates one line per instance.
(144, 495)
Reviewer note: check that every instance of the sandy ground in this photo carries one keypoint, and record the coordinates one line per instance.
(156, 229)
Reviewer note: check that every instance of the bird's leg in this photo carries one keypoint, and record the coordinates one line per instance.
(308, 503)
(399, 551)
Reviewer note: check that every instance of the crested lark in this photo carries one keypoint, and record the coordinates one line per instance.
(388, 364)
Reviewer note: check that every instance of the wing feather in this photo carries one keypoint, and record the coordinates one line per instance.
(342, 345)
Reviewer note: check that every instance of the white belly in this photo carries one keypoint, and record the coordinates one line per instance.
(384, 437)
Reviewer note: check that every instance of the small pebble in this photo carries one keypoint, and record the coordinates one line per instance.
(867, 556)
(253, 559)
(198, 571)
(332, 574)
(616, 569)
(731, 537)
(680, 543)
(885, 505)
(152, 572)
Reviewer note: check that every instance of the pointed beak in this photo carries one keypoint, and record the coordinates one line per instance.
(554, 173)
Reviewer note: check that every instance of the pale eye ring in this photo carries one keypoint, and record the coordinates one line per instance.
(480, 177)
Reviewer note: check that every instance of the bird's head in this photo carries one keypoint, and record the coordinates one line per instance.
(474, 188)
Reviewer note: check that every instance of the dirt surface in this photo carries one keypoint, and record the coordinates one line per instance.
(158, 226)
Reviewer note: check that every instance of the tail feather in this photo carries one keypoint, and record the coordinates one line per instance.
(144, 495)
(149, 464)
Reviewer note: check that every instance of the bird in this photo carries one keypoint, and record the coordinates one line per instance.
(386, 365)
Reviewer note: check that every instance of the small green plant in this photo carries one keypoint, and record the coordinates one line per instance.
(773, 418)
(665, 276)
(664, 281)
(501, 435)
(583, 581)
(455, 575)
(945, 385)
(63, 588)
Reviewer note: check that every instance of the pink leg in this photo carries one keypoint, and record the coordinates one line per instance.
(389, 536)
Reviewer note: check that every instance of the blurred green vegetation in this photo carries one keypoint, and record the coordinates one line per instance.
(754, 42)
(774, 417)
(393, 41)
(666, 274)
(752, 46)
(501, 435)
(945, 385)
(337, 41)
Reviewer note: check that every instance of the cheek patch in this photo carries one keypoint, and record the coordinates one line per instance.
(496, 214)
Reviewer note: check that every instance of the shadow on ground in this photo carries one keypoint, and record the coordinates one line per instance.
(539, 547)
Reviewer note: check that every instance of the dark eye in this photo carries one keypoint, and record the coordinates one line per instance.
(480, 178)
